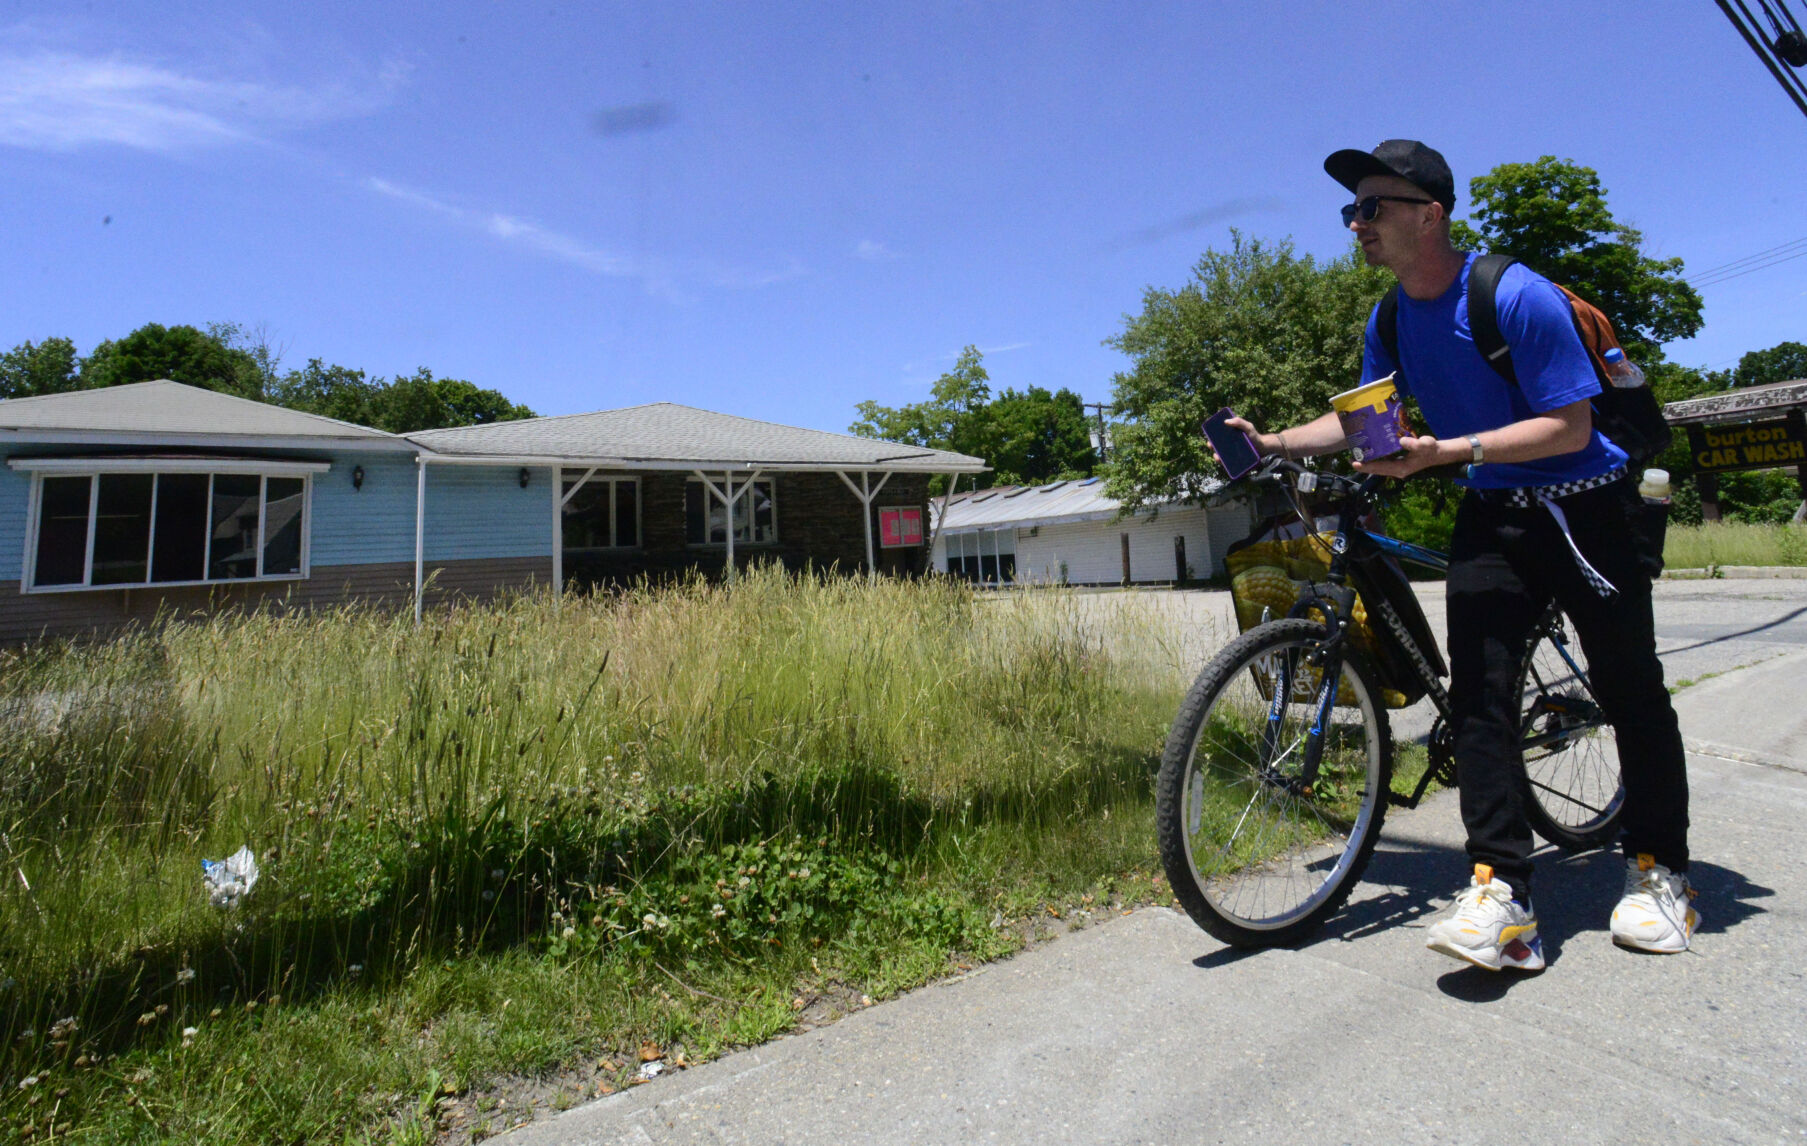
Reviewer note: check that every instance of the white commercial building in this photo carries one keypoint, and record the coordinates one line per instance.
(1069, 532)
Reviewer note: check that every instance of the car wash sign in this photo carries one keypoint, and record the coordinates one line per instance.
(1750, 446)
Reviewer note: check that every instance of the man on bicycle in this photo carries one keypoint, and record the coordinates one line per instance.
(1544, 516)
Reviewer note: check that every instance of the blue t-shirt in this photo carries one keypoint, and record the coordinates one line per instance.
(1461, 394)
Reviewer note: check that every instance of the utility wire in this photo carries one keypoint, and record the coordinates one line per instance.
(1752, 31)
(1735, 263)
(1706, 282)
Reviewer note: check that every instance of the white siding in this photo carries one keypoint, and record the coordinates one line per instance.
(1093, 555)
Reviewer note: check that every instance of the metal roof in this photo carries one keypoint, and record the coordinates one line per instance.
(1019, 507)
(1742, 404)
(667, 435)
(171, 410)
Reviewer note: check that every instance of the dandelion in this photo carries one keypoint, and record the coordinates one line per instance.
(185, 975)
(28, 1082)
(568, 933)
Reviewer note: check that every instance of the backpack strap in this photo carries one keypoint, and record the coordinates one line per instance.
(1483, 314)
(1386, 324)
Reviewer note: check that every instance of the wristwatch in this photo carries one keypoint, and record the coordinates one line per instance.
(1474, 443)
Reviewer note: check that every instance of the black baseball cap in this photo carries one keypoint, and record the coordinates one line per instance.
(1412, 161)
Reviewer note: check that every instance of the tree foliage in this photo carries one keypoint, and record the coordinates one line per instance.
(1027, 436)
(1552, 216)
(48, 367)
(178, 353)
(1268, 333)
(240, 361)
(1783, 362)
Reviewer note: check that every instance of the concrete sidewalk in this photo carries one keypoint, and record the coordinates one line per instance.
(1144, 1029)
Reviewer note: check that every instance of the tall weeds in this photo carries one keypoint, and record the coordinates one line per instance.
(414, 793)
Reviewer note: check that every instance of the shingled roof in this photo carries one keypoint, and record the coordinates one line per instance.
(667, 435)
(173, 411)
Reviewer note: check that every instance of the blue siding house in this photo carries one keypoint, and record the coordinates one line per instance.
(164, 500)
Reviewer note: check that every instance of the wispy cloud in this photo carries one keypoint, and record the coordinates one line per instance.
(873, 251)
(513, 230)
(1217, 213)
(57, 100)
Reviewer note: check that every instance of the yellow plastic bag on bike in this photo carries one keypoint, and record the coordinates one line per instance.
(1272, 575)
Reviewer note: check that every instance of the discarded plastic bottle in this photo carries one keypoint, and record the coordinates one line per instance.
(1622, 371)
(1655, 486)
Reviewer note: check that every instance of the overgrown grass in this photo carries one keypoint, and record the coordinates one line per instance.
(1734, 543)
(525, 836)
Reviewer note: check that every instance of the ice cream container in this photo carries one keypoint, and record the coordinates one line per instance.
(1371, 419)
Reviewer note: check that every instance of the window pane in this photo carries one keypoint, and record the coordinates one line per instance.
(179, 552)
(627, 513)
(122, 530)
(696, 522)
(1007, 567)
(586, 515)
(234, 527)
(760, 524)
(988, 567)
(282, 531)
(970, 565)
(1006, 542)
(62, 531)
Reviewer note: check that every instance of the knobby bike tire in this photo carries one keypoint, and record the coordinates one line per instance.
(1289, 857)
(1573, 791)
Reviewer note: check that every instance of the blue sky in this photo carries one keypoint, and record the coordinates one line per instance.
(778, 210)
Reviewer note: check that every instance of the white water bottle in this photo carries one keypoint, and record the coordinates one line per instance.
(1622, 371)
(1655, 486)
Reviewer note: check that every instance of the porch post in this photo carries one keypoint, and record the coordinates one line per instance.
(947, 500)
(420, 532)
(558, 536)
(728, 484)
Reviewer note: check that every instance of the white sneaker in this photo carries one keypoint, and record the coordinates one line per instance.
(1488, 928)
(1657, 911)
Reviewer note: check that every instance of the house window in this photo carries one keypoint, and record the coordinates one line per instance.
(125, 528)
(985, 557)
(706, 519)
(603, 513)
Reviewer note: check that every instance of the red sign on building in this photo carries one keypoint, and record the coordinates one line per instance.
(900, 528)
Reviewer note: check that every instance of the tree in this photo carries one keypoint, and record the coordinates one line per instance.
(423, 402)
(1040, 436)
(179, 353)
(1783, 362)
(1552, 216)
(1268, 333)
(331, 391)
(48, 367)
(1028, 436)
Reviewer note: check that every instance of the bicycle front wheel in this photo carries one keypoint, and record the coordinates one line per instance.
(1263, 835)
(1573, 789)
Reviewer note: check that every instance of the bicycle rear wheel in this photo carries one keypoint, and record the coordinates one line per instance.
(1259, 845)
(1573, 789)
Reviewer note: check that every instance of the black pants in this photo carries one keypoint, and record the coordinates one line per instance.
(1505, 566)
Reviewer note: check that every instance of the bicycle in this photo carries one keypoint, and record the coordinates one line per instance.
(1284, 737)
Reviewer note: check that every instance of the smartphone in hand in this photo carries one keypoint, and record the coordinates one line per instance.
(1235, 450)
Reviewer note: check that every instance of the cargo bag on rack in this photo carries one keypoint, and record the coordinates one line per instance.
(1276, 565)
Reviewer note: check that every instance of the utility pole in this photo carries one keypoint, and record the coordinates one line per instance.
(1101, 431)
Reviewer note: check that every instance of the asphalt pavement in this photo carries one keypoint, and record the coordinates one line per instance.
(1144, 1029)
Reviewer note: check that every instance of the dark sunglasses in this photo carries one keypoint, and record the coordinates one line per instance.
(1368, 209)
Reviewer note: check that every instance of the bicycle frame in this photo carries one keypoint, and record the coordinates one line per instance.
(1335, 601)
